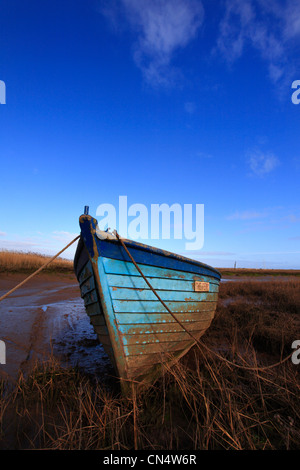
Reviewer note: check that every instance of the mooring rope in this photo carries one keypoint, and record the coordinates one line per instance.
(198, 342)
(38, 270)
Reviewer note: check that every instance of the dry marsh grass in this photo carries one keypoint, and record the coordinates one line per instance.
(267, 313)
(201, 403)
(242, 272)
(14, 261)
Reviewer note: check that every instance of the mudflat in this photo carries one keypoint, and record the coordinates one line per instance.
(46, 316)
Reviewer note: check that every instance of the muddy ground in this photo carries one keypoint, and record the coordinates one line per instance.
(45, 317)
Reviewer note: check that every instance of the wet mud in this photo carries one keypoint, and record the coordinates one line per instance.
(46, 318)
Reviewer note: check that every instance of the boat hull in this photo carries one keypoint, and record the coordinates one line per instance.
(137, 332)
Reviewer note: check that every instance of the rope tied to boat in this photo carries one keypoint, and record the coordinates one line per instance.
(197, 341)
(38, 270)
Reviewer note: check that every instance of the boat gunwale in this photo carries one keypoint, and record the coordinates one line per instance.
(213, 272)
(167, 254)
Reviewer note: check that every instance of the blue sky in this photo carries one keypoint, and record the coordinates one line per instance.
(175, 101)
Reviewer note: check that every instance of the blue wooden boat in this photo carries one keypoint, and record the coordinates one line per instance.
(135, 329)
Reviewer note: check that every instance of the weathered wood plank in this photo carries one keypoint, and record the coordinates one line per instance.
(87, 286)
(94, 309)
(131, 330)
(151, 256)
(103, 338)
(151, 338)
(90, 298)
(151, 306)
(101, 330)
(153, 348)
(85, 274)
(152, 318)
(114, 266)
(97, 320)
(123, 293)
(138, 365)
(118, 280)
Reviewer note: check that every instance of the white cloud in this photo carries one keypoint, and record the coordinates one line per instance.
(209, 253)
(45, 243)
(293, 29)
(273, 253)
(203, 155)
(294, 219)
(246, 215)
(190, 107)
(288, 12)
(17, 245)
(261, 163)
(269, 26)
(62, 236)
(2, 234)
(161, 27)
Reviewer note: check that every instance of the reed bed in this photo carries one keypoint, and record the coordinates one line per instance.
(242, 272)
(15, 261)
(201, 403)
